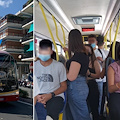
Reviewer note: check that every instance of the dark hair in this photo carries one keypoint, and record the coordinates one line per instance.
(92, 36)
(117, 48)
(100, 40)
(45, 43)
(118, 52)
(53, 56)
(93, 57)
(62, 59)
(75, 42)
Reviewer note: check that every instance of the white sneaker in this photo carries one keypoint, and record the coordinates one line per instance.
(48, 118)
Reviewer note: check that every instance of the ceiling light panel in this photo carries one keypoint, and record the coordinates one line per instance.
(86, 20)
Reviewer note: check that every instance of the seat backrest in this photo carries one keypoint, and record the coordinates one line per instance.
(108, 62)
(65, 101)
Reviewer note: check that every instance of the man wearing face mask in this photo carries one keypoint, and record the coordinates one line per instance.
(49, 83)
(92, 40)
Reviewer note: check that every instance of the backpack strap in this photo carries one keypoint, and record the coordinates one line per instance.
(100, 52)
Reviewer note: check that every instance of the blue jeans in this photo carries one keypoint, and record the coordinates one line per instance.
(41, 112)
(77, 96)
(100, 88)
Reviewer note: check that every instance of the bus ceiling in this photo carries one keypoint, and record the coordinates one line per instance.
(93, 17)
(64, 10)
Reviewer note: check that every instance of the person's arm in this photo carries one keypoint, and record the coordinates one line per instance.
(100, 59)
(102, 74)
(62, 89)
(35, 100)
(95, 75)
(73, 71)
(111, 79)
(99, 56)
(65, 49)
(45, 97)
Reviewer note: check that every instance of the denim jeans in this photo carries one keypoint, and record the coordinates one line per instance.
(41, 112)
(77, 95)
(100, 88)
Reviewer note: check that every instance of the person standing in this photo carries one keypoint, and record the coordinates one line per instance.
(92, 40)
(77, 67)
(102, 55)
(92, 74)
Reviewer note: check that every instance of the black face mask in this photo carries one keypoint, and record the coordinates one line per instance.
(89, 54)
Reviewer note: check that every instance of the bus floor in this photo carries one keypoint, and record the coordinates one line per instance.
(49, 118)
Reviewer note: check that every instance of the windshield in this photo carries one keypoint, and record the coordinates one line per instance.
(8, 75)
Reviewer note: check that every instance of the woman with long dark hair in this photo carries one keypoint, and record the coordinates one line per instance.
(114, 87)
(77, 67)
(93, 74)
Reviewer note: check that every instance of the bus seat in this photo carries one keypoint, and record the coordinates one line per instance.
(65, 101)
(108, 62)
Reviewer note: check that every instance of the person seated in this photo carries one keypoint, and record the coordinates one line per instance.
(49, 83)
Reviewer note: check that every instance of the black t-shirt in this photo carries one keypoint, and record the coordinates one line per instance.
(81, 58)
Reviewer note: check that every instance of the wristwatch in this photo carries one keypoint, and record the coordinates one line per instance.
(53, 94)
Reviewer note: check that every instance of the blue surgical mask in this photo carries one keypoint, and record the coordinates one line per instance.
(44, 57)
(93, 45)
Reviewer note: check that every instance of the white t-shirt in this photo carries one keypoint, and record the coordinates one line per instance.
(103, 56)
(104, 53)
(47, 79)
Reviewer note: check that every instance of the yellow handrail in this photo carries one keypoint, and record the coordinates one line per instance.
(67, 56)
(57, 31)
(63, 34)
(114, 42)
(83, 38)
(45, 18)
(105, 40)
(63, 45)
(110, 34)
